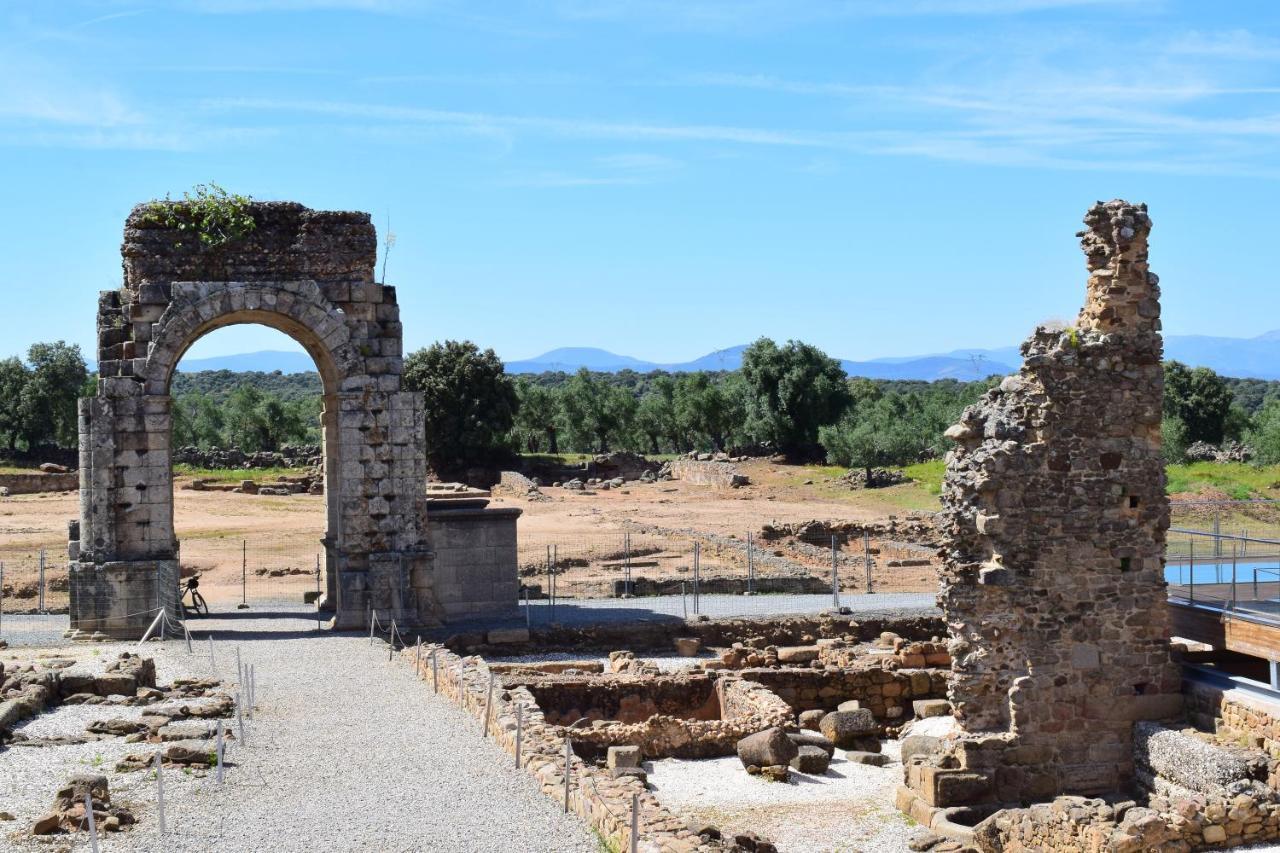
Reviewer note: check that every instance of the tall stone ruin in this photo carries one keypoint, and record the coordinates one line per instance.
(309, 274)
(1054, 517)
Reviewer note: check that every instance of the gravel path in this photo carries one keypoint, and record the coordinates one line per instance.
(347, 752)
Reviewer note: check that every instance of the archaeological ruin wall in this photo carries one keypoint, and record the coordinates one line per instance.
(309, 274)
(1054, 517)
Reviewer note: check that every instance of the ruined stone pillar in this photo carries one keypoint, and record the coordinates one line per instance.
(1054, 518)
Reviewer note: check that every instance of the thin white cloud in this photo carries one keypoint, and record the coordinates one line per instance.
(1237, 45)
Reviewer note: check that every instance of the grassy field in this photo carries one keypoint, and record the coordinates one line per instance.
(235, 475)
(1234, 481)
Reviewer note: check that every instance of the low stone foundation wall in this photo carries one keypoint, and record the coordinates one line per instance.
(35, 483)
(1236, 720)
(713, 633)
(679, 716)
(600, 800)
(721, 475)
(887, 694)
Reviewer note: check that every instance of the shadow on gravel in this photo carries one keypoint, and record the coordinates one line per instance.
(261, 624)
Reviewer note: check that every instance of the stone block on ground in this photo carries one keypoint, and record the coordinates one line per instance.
(768, 748)
(623, 756)
(811, 719)
(688, 646)
(924, 708)
(875, 759)
(812, 739)
(811, 759)
(844, 727)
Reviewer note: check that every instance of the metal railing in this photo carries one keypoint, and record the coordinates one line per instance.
(1225, 571)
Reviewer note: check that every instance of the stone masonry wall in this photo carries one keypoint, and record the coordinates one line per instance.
(1054, 518)
(309, 274)
(476, 566)
(30, 484)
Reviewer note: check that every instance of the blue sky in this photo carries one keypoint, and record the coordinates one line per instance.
(877, 177)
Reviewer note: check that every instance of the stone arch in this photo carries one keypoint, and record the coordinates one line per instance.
(308, 274)
(298, 309)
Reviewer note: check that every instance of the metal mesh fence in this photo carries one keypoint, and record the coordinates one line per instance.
(716, 574)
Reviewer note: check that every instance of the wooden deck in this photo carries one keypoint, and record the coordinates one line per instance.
(1247, 632)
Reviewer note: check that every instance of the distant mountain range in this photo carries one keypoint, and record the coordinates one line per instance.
(1256, 358)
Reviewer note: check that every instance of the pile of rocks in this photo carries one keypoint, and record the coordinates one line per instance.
(879, 478)
(70, 812)
(29, 689)
(915, 527)
(1230, 451)
(288, 456)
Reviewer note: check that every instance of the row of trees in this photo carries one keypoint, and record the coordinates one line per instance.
(792, 398)
(247, 418)
(38, 397)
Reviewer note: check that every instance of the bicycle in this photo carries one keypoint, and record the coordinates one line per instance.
(197, 600)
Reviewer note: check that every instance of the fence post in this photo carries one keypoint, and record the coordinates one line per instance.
(244, 574)
(697, 569)
(1217, 532)
(240, 720)
(550, 600)
(1, 598)
(751, 566)
(866, 559)
(528, 613)
(219, 751)
(160, 792)
(684, 599)
(391, 644)
(88, 816)
(634, 843)
(40, 607)
(519, 731)
(1191, 569)
(568, 751)
(1233, 574)
(835, 575)
(435, 671)
(555, 564)
(488, 707)
(626, 550)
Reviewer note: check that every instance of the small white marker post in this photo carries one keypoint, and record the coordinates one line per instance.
(488, 707)
(635, 823)
(93, 825)
(435, 672)
(212, 664)
(239, 668)
(160, 793)
(519, 731)
(568, 750)
(218, 753)
(417, 656)
(240, 722)
(187, 634)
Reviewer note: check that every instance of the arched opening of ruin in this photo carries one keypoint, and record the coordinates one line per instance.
(252, 514)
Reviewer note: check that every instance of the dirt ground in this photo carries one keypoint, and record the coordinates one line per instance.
(263, 546)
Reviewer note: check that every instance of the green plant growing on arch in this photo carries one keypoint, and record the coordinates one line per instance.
(213, 215)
